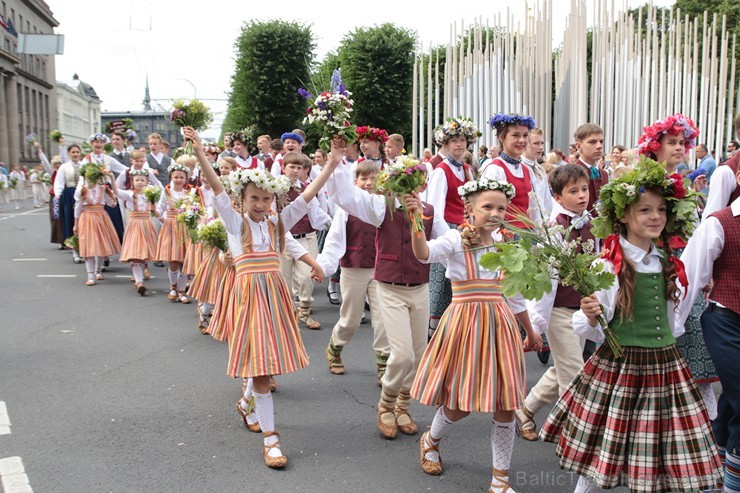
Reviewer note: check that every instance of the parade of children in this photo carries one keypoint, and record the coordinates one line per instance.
(431, 311)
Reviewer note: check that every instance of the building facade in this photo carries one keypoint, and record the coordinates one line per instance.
(28, 102)
(78, 110)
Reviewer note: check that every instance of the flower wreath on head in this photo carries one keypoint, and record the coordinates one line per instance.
(238, 179)
(139, 172)
(483, 184)
(244, 136)
(499, 121)
(676, 124)
(456, 127)
(178, 167)
(648, 176)
(98, 136)
(371, 133)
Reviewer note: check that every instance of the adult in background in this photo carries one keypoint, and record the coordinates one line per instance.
(706, 168)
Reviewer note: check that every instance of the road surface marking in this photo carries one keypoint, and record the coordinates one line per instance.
(29, 259)
(4, 419)
(56, 275)
(13, 476)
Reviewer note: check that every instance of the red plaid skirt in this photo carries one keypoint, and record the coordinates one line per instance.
(638, 421)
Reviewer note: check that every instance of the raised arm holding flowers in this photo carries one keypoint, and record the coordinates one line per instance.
(330, 112)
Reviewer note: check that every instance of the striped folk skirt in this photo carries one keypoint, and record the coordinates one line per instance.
(221, 325)
(266, 340)
(475, 360)
(140, 240)
(173, 241)
(204, 287)
(96, 233)
(193, 259)
(638, 421)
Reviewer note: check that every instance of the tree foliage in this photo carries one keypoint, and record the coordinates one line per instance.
(273, 59)
(377, 67)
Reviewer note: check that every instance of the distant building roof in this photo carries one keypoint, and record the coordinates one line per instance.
(82, 87)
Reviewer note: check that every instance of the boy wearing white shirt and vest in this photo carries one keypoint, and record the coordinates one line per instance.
(297, 276)
(351, 244)
(554, 311)
(403, 293)
(242, 145)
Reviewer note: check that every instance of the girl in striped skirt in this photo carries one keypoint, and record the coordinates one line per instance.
(474, 361)
(140, 239)
(97, 236)
(637, 420)
(265, 339)
(173, 240)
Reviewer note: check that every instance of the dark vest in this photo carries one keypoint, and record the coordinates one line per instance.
(164, 175)
(303, 226)
(360, 251)
(124, 158)
(566, 296)
(394, 259)
(726, 275)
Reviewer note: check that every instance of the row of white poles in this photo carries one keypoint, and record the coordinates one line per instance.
(637, 76)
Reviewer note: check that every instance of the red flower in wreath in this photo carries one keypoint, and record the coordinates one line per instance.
(677, 188)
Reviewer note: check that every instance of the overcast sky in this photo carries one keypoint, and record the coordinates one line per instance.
(187, 47)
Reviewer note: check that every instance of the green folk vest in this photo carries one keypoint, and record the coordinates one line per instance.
(649, 325)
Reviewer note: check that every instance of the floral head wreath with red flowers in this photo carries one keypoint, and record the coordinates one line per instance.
(677, 124)
(371, 133)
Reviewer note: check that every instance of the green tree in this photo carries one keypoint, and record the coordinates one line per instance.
(273, 59)
(377, 67)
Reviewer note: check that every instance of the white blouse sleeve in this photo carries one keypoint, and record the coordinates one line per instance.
(368, 208)
(293, 212)
(437, 191)
(232, 221)
(443, 246)
(608, 299)
(293, 247)
(335, 244)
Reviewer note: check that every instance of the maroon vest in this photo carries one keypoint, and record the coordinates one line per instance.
(436, 159)
(360, 252)
(394, 259)
(594, 186)
(566, 296)
(303, 226)
(726, 275)
(733, 163)
(454, 206)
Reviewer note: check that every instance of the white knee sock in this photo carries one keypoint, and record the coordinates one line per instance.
(585, 485)
(182, 281)
(138, 271)
(709, 398)
(98, 264)
(440, 423)
(207, 309)
(90, 266)
(502, 446)
(173, 274)
(251, 417)
(266, 416)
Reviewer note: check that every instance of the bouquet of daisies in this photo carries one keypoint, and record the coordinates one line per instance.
(330, 111)
(45, 178)
(190, 211)
(55, 136)
(212, 232)
(152, 193)
(93, 172)
(405, 176)
(191, 114)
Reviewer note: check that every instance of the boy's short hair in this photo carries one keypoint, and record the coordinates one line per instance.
(536, 131)
(565, 174)
(165, 144)
(137, 154)
(366, 167)
(155, 136)
(301, 133)
(307, 161)
(276, 145)
(264, 137)
(120, 134)
(231, 161)
(586, 130)
(398, 139)
(294, 158)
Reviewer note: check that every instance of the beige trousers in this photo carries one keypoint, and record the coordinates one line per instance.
(297, 275)
(566, 348)
(355, 284)
(405, 314)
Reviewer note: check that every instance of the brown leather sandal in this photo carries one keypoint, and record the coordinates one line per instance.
(273, 462)
(254, 428)
(525, 425)
(502, 485)
(429, 466)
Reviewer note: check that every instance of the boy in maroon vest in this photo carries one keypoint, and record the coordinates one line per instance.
(590, 147)
(724, 189)
(296, 275)
(456, 135)
(351, 244)
(402, 290)
(713, 254)
(555, 309)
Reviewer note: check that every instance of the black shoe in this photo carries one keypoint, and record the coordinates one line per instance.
(364, 319)
(333, 297)
(159, 264)
(106, 263)
(543, 355)
(367, 306)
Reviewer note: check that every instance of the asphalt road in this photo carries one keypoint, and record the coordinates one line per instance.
(107, 391)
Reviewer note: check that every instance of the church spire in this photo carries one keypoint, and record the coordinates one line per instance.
(147, 100)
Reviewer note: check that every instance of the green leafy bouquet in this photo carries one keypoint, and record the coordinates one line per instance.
(45, 178)
(542, 254)
(213, 233)
(192, 114)
(72, 242)
(405, 176)
(152, 193)
(56, 136)
(92, 172)
(13, 183)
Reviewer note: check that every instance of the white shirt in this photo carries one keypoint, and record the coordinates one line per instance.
(127, 196)
(723, 184)
(261, 241)
(164, 201)
(438, 186)
(335, 244)
(704, 247)
(495, 172)
(608, 297)
(66, 174)
(541, 189)
(317, 217)
(246, 162)
(95, 195)
(121, 180)
(448, 251)
(158, 157)
(367, 207)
